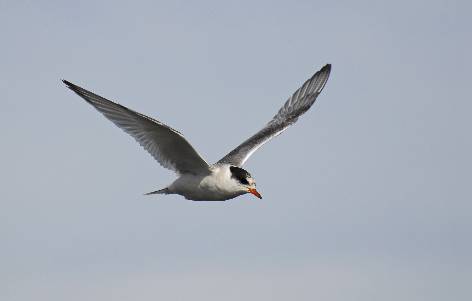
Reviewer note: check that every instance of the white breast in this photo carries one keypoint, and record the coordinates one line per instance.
(217, 186)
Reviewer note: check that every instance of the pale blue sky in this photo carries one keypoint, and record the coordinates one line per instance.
(367, 197)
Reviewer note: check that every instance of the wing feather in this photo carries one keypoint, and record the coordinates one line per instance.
(288, 114)
(166, 145)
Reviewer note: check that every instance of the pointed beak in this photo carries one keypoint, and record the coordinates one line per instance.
(254, 192)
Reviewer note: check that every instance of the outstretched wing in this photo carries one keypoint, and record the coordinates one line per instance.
(293, 108)
(165, 144)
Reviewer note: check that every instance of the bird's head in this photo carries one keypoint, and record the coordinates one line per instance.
(244, 180)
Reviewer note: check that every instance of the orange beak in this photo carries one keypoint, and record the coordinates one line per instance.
(254, 192)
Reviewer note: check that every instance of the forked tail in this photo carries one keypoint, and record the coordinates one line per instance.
(161, 191)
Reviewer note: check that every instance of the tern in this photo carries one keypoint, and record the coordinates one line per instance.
(197, 180)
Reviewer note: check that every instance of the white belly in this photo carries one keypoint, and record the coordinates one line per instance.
(204, 188)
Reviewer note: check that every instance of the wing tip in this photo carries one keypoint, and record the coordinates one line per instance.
(69, 84)
(79, 91)
(326, 68)
(324, 73)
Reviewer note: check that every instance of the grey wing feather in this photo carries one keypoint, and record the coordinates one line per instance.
(293, 108)
(166, 145)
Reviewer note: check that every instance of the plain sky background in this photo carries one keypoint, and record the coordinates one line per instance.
(367, 197)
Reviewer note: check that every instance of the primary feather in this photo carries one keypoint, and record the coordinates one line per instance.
(165, 144)
(293, 108)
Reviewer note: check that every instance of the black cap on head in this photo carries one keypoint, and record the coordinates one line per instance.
(240, 174)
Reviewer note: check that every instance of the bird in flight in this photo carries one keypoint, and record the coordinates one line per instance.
(197, 180)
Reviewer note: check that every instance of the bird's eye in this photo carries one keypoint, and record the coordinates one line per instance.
(244, 181)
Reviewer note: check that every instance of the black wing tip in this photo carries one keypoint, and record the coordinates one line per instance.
(326, 67)
(76, 89)
(80, 91)
(68, 84)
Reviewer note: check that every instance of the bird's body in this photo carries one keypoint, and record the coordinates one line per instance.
(217, 185)
(197, 180)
